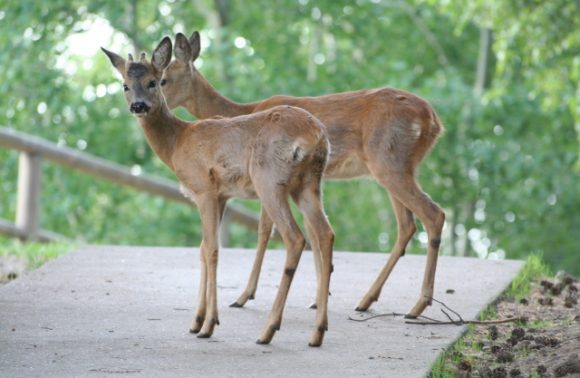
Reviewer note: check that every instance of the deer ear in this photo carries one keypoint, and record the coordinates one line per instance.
(194, 42)
(182, 48)
(116, 60)
(162, 54)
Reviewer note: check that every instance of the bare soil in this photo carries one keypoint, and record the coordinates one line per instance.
(546, 345)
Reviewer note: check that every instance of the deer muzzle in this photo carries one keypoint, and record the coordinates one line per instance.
(139, 107)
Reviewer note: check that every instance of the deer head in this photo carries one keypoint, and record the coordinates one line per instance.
(177, 80)
(141, 79)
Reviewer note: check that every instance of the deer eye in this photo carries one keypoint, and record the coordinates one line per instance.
(163, 82)
(125, 87)
(151, 84)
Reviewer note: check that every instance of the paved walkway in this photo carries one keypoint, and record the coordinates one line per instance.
(105, 311)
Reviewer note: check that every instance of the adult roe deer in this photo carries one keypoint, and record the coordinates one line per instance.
(381, 132)
(272, 155)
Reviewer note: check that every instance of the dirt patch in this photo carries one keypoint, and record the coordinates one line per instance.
(11, 267)
(547, 345)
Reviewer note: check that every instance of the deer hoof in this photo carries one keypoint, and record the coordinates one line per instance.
(316, 339)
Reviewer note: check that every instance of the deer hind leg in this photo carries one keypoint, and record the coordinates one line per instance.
(322, 239)
(264, 232)
(403, 187)
(211, 210)
(275, 201)
(314, 245)
(405, 229)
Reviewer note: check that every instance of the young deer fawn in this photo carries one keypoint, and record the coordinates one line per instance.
(384, 133)
(271, 155)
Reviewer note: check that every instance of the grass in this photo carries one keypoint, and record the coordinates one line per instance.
(535, 268)
(539, 323)
(443, 367)
(35, 254)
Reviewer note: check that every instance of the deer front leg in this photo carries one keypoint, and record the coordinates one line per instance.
(211, 210)
(264, 232)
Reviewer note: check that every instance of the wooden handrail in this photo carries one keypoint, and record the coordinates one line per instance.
(34, 146)
(10, 229)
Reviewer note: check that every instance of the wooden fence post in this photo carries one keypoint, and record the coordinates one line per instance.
(28, 203)
(34, 149)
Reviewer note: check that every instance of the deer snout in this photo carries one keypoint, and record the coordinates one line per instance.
(139, 107)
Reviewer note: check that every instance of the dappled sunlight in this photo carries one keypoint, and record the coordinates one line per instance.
(505, 170)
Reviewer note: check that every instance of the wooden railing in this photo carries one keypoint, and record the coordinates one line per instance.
(34, 150)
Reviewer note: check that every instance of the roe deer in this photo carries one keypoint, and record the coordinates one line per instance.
(269, 155)
(384, 133)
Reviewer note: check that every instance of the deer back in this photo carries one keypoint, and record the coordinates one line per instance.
(226, 154)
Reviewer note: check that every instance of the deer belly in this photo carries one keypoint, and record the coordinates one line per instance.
(345, 166)
(235, 182)
(240, 192)
(233, 191)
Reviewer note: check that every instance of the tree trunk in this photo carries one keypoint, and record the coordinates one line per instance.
(218, 19)
(133, 28)
(482, 77)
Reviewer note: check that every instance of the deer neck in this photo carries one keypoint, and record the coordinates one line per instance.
(207, 102)
(162, 130)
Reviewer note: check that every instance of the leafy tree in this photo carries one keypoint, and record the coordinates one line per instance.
(506, 169)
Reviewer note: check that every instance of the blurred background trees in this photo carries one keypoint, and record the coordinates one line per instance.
(503, 76)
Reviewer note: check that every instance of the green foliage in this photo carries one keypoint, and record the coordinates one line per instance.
(444, 366)
(488, 313)
(534, 269)
(506, 169)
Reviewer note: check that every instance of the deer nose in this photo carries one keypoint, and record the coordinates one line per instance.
(139, 107)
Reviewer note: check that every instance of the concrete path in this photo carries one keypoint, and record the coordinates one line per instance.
(109, 311)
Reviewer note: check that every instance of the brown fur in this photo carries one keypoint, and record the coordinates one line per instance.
(271, 155)
(384, 133)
